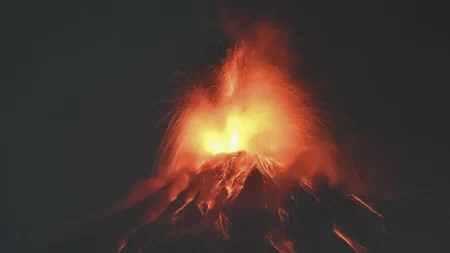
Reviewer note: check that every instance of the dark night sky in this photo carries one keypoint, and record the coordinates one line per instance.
(79, 79)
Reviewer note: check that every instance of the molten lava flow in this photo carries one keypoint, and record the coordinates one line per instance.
(254, 119)
(355, 246)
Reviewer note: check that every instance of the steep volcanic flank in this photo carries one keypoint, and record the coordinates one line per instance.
(263, 216)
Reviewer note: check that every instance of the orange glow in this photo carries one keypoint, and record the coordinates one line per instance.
(254, 118)
(255, 108)
(355, 246)
(281, 244)
(364, 204)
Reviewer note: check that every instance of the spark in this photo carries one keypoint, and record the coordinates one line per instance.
(222, 224)
(363, 203)
(281, 244)
(355, 246)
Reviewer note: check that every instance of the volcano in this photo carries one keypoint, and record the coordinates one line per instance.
(245, 166)
(234, 158)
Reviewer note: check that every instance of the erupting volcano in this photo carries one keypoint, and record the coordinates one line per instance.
(254, 123)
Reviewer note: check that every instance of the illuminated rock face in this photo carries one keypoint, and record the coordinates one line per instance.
(254, 221)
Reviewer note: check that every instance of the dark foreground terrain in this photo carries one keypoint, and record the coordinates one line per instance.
(310, 226)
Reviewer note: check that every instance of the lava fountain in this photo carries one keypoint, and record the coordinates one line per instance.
(254, 108)
(254, 119)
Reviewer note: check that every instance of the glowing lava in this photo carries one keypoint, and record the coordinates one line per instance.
(255, 108)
